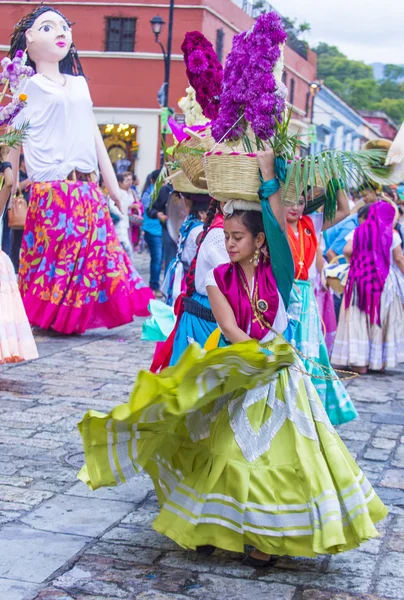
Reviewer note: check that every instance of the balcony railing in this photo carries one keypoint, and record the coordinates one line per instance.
(254, 8)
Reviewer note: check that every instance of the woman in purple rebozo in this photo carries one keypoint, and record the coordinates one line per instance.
(370, 332)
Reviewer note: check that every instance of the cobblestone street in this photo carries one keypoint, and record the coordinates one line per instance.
(58, 540)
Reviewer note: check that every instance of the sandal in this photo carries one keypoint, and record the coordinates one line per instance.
(205, 550)
(257, 563)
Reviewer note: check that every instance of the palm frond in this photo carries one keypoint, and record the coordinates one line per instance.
(289, 173)
(158, 185)
(306, 165)
(350, 167)
(183, 149)
(298, 175)
(15, 138)
(321, 170)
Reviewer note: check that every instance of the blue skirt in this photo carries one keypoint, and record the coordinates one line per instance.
(193, 329)
(307, 336)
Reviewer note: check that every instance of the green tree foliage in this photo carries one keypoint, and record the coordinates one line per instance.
(355, 83)
(393, 107)
(393, 72)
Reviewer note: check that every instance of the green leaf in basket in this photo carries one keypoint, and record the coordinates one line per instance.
(328, 166)
(298, 176)
(321, 171)
(334, 165)
(60, 272)
(342, 171)
(189, 151)
(305, 178)
(86, 281)
(64, 187)
(312, 175)
(289, 173)
(158, 185)
(36, 262)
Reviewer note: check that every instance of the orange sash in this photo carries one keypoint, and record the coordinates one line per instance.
(303, 247)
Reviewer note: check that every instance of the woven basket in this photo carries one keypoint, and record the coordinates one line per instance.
(181, 183)
(232, 175)
(336, 280)
(191, 164)
(290, 197)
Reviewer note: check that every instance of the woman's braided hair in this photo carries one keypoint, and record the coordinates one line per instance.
(70, 65)
(214, 206)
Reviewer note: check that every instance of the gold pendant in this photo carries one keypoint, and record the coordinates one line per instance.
(262, 306)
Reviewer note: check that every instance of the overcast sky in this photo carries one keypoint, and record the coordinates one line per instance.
(369, 30)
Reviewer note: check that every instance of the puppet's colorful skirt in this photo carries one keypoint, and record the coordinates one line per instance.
(361, 343)
(240, 450)
(16, 339)
(74, 274)
(308, 338)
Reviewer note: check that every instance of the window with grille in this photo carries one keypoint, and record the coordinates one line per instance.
(292, 91)
(120, 35)
(285, 78)
(220, 44)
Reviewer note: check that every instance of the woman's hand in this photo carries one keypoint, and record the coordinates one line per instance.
(162, 217)
(116, 201)
(266, 163)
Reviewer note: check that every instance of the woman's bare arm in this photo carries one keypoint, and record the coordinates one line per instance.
(266, 163)
(342, 210)
(224, 316)
(348, 250)
(6, 189)
(398, 258)
(106, 168)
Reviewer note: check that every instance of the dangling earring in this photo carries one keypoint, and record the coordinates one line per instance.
(256, 257)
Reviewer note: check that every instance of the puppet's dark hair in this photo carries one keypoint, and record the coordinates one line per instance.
(70, 65)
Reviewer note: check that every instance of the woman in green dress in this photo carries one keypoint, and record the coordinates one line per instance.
(236, 439)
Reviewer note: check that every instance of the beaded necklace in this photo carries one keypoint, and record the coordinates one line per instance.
(292, 242)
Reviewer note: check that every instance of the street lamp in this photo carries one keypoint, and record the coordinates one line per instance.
(157, 24)
(315, 87)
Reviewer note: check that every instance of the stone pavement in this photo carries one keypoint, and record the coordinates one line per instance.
(59, 541)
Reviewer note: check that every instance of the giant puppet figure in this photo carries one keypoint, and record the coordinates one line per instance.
(73, 273)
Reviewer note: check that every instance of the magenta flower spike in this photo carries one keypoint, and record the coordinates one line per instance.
(251, 94)
(204, 72)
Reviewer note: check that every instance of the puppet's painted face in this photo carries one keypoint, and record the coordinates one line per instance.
(49, 39)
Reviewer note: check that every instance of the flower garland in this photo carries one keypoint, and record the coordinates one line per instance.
(252, 88)
(204, 72)
(14, 71)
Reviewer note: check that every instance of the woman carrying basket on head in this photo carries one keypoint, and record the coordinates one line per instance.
(303, 233)
(238, 444)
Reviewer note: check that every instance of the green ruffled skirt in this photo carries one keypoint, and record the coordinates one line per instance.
(240, 450)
